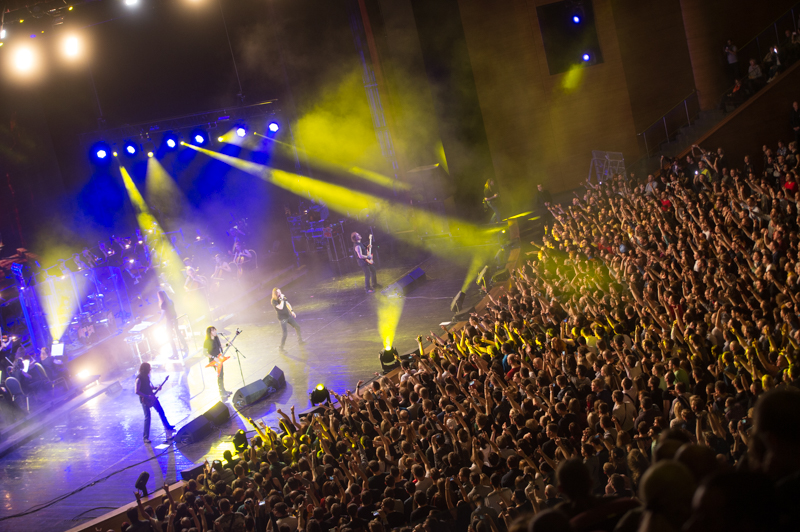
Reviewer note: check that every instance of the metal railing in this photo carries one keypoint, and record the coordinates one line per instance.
(759, 46)
(666, 127)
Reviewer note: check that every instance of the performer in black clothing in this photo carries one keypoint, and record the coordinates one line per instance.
(147, 396)
(364, 258)
(168, 312)
(491, 199)
(213, 349)
(286, 316)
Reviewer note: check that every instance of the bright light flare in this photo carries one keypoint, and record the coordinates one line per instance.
(24, 60)
(72, 47)
(273, 127)
(586, 57)
(131, 3)
(101, 153)
(161, 336)
(241, 132)
(83, 375)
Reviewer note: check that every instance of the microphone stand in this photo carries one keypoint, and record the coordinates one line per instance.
(238, 353)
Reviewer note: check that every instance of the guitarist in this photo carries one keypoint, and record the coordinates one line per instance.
(213, 348)
(365, 260)
(147, 396)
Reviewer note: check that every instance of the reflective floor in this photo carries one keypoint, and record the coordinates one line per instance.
(98, 447)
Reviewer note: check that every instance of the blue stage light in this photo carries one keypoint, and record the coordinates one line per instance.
(586, 57)
(99, 153)
(576, 19)
(131, 148)
(199, 137)
(241, 132)
(170, 141)
(273, 126)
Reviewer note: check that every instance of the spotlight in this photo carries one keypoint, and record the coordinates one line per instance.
(114, 154)
(274, 127)
(131, 3)
(2, 33)
(199, 137)
(99, 152)
(141, 482)
(82, 375)
(240, 441)
(220, 139)
(24, 60)
(149, 154)
(388, 358)
(131, 148)
(576, 19)
(586, 57)
(241, 132)
(170, 141)
(320, 395)
(72, 47)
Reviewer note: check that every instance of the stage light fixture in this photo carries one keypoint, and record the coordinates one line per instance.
(141, 482)
(273, 127)
(114, 154)
(320, 395)
(241, 131)
(171, 141)
(388, 358)
(586, 57)
(131, 148)
(199, 137)
(24, 60)
(576, 19)
(149, 154)
(72, 47)
(131, 3)
(220, 139)
(240, 441)
(99, 153)
(2, 33)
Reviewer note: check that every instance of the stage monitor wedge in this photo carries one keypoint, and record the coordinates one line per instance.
(406, 284)
(249, 394)
(195, 431)
(218, 414)
(275, 381)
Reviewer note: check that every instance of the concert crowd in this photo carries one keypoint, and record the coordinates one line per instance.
(640, 373)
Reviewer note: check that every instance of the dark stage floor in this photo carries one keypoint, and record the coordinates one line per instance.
(104, 436)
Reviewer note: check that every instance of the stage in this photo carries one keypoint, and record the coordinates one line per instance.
(104, 436)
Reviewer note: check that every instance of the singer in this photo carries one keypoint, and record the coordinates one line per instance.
(286, 316)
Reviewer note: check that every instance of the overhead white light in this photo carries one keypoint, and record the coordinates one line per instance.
(72, 47)
(24, 60)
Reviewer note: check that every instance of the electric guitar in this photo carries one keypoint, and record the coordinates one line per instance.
(150, 400)
(219, 360)
(369, 258)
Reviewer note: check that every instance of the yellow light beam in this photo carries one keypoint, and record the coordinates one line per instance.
(389, 312)
(171, 263)
(348, 202)
(369, 175)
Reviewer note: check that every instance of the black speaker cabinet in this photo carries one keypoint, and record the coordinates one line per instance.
(195, 431)
(249, 394)
(218, 414)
